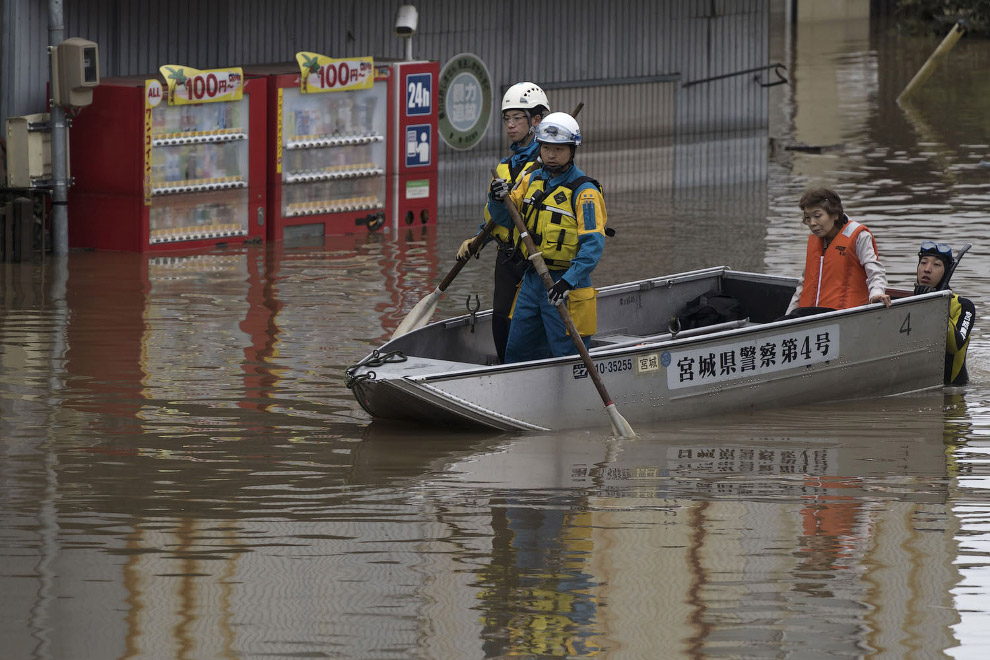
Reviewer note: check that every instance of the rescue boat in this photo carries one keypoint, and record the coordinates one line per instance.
(445, 373)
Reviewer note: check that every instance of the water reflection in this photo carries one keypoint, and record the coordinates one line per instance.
(711, 540)
(740, 537)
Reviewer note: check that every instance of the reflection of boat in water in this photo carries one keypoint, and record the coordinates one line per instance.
(816, 530)
(443, 373)
(891, 450)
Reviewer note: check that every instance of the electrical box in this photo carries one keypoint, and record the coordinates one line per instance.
(76, 69)
(29, 150)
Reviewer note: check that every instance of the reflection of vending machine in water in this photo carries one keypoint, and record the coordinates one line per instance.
(340, 142)
(170, 166)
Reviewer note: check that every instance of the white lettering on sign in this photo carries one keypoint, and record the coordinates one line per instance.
(153, 94)
(725, 362)
(419, 95)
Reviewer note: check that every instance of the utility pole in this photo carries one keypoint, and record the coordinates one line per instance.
(60, 186)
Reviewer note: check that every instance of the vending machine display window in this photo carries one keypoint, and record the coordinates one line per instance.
(199, 149)
(334, 151)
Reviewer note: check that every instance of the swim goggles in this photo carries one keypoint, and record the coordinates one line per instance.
(929, 247)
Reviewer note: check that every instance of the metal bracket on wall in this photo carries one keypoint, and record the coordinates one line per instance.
(776, 68)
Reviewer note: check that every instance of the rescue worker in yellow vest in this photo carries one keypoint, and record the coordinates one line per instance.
(564, 213)
(523, 106)
(935, 266)
(842, 268)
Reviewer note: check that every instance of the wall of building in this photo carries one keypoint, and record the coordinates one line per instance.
(638, 55)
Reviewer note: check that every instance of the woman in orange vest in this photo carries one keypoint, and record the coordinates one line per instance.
(842, 268)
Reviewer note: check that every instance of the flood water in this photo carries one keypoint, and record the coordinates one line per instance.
(183, 473)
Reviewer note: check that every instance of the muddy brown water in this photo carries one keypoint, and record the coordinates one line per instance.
(183, 473)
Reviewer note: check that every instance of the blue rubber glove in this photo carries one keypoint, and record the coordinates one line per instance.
(558, 292)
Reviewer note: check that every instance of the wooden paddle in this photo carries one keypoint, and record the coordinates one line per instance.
(424, 310)
(619, 424)
(421, 314)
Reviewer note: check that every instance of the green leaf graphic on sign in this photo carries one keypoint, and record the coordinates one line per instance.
(312, 64)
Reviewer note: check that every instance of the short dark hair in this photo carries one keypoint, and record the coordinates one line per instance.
(540, 110)
(824, 198)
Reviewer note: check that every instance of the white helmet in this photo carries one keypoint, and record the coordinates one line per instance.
(524, 96)
(558, 128)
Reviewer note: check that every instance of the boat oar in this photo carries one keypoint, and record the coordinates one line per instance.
(619, 424)
(421, 314)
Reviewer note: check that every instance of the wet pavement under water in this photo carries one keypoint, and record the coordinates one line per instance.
(183, 473)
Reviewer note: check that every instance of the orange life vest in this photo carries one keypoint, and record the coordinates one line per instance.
(833, 276)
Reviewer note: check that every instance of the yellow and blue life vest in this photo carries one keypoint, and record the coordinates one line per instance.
(551, 218)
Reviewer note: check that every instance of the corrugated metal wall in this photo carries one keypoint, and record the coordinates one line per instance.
(24, 64)
(649, 130)
(732, 36)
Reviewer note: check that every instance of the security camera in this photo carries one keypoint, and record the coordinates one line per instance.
(405, 20)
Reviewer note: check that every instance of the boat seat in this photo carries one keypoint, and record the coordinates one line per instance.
(602, 342)
(608, 340)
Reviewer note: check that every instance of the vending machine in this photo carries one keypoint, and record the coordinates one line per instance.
(339, 144)
(176, 162)
(414, 182)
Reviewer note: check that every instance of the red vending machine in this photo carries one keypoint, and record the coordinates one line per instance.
(414, 180)
(337, 145)
(171, 163)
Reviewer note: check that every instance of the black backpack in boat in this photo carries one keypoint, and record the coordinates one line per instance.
(709, 309)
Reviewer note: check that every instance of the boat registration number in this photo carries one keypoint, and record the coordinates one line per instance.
(605, 367)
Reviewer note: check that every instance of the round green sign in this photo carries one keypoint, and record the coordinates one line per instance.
(465, 101)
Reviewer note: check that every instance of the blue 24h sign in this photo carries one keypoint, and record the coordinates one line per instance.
(419, 96)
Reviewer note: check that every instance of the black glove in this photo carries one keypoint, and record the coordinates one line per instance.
(558, 292)
(499, 190)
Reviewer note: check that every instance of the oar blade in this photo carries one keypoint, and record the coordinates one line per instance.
(419, 315)
(620, 426)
